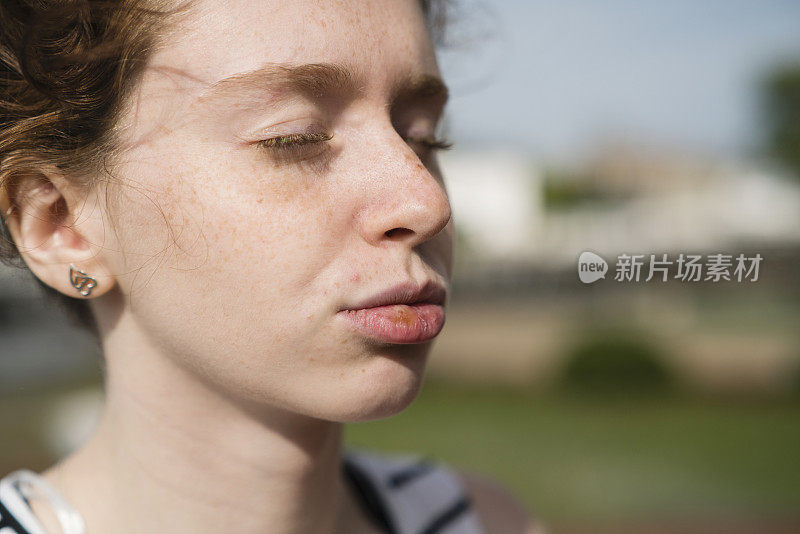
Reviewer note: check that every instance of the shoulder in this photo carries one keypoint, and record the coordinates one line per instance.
(499, 510)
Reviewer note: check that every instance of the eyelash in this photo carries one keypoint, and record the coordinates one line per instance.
(296, 140)
(431, 143)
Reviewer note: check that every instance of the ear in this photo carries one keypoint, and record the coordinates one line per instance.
(54, 228)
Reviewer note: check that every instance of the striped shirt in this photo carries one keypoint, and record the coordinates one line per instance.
(400, 493)
(411, 494)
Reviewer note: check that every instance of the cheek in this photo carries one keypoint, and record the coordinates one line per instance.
(218, 217)
(232, 245)
(279, 226)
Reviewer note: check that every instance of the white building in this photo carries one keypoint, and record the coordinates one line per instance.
(497, 202)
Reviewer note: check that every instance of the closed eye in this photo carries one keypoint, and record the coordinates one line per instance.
(430, 143)
(296, 148)
(293, 140)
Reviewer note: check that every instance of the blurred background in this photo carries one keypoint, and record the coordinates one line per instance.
(619, 127)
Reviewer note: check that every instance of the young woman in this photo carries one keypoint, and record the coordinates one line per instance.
(242, 200)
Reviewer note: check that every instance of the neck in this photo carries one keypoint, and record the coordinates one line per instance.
(173, 455)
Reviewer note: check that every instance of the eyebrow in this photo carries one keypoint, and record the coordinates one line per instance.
(313, 78)
(318, 79)
(422, 86)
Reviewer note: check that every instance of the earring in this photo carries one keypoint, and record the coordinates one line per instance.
(81, 281)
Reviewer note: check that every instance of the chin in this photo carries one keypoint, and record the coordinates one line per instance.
(385, 385)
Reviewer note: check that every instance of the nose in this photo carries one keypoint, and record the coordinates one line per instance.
(405, 201)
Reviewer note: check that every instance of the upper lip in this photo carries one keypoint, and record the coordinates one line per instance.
(405, 293)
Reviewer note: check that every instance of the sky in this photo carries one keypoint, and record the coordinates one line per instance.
(556, 77)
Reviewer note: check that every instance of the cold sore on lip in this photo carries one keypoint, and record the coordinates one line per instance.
(399, 323)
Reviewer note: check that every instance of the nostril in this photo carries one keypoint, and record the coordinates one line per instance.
(398, 233)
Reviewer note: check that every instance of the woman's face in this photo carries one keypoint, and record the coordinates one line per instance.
(278, 170)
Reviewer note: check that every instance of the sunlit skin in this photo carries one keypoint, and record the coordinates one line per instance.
(278, 164)
(222, 259)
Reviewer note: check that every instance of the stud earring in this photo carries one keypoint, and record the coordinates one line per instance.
(81, 281)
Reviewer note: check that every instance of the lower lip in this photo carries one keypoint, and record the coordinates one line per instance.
(398, 323)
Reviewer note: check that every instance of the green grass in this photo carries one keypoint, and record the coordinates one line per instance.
(609, 459)
(569, 458)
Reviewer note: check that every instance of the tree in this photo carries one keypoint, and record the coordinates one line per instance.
(782, 113)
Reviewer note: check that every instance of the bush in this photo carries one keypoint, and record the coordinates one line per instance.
(609, 361)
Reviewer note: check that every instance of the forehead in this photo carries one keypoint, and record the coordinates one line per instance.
(216, 41)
